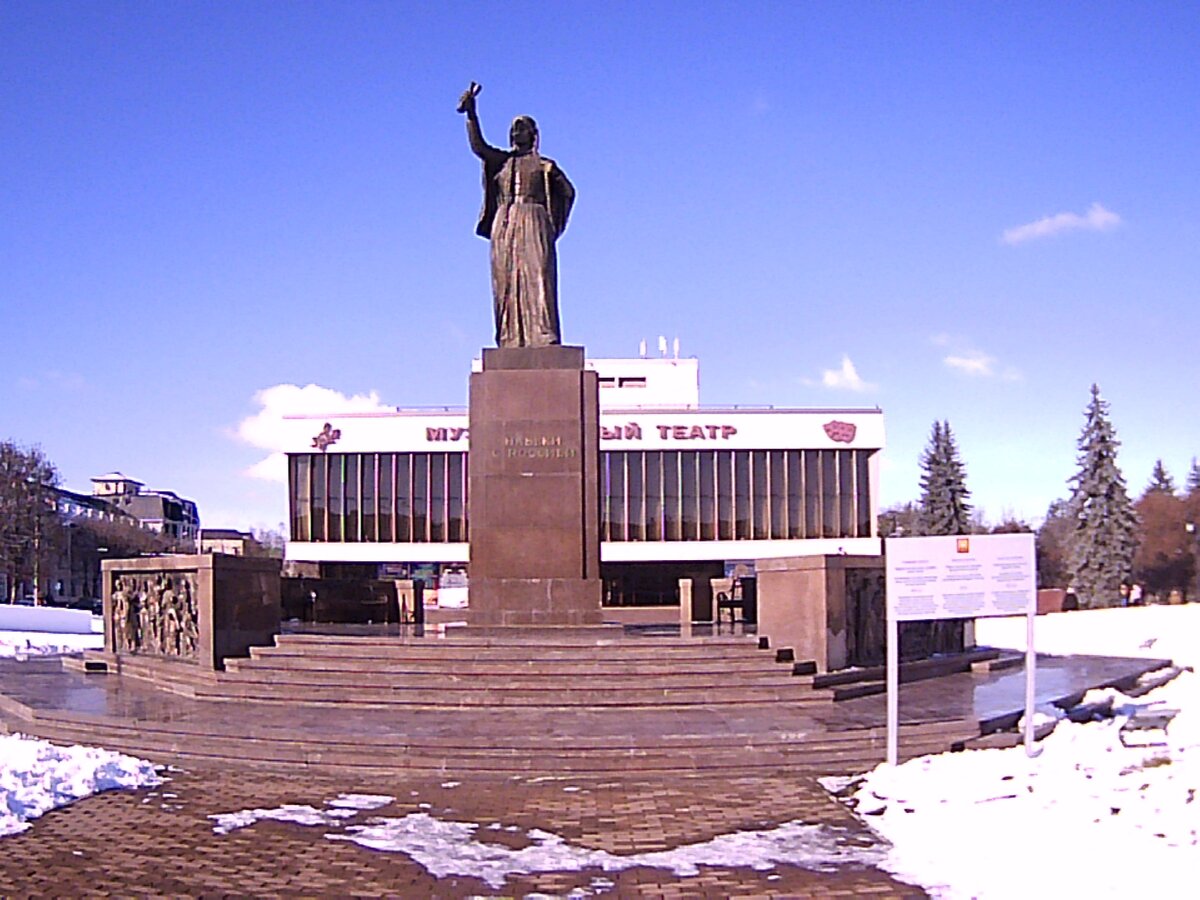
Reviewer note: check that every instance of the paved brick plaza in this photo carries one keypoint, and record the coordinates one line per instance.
(161, 841)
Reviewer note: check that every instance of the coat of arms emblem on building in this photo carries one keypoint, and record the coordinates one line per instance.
(329, 435)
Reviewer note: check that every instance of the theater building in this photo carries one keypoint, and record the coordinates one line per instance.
(686, 490)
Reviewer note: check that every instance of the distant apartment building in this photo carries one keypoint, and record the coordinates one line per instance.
(231, 542)
(96, 526)
(164, 512)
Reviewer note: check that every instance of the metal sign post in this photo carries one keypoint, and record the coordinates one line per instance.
(958, 577)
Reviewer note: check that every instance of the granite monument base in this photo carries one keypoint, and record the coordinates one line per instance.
(534, 489)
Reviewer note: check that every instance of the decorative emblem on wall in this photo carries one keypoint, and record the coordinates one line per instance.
(326, 436)
(842, 432)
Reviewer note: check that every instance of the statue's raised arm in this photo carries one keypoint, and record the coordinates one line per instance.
(480, 147)
(526, 201)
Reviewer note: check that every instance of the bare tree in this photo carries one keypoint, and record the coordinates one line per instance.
(29, 525)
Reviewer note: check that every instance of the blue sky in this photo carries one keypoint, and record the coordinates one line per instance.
(957, 211)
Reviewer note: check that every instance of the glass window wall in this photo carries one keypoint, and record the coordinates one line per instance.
(378, 497)
(645, 495)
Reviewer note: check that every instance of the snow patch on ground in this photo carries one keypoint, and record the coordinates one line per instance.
(344, 806)
(450, 848)
(1089, 816)
(37, 776)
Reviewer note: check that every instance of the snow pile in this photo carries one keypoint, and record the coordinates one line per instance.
(453, 848)
(23, 644)
(1089, 816)
(37, 776)
(54, 619)
(1148, 632)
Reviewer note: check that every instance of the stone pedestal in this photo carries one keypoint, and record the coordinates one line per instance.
(534, 491)
(198, 609)
(808, 604)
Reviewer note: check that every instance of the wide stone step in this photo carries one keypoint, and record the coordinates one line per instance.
(367, 669)
(547, 638)
(582, 667)
(856, 754)
(484, 731)
(543, 680)
(450, 652)
(557, 697)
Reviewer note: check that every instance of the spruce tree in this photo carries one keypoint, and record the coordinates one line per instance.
(944, 494)
(1103, 524)
(1193, 481)
(1161, 480)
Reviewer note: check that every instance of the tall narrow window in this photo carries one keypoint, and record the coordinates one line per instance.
(387, 497)
(654, 497)
(761, 513)
(337, 483)
(689, 495)
(812, 493)
(350, 468)
(635, 488)
(605, 495)
(708, 496)
(830, 521)
(795, 475)
(616, 505)
(404, 498)
(420, 497)
(320, 487)
(456, 498)
(862, 492)
(437, 497)
(777, 477)
(846, 493)
(672, 516)
(743, 491)
(301, 497)
(367, 474)
(725, 506)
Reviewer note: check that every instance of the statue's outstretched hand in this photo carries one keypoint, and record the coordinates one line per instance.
(466, 103)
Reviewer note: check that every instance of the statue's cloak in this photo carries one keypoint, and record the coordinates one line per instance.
(559, 191)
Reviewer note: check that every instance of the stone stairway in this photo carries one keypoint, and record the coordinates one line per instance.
(563, 704)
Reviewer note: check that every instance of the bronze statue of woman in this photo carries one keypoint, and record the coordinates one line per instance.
(526, 202)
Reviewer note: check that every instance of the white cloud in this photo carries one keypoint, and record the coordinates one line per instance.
(268, 428)
(846, 378)
(965, 358)
(1097, 218)
(973, 362)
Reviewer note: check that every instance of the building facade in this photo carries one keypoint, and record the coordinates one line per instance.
(163, 512)
(686, 490)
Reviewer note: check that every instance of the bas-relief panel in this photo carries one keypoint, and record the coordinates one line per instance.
(155, 614)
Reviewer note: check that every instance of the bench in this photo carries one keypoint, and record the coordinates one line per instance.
(1139, 727)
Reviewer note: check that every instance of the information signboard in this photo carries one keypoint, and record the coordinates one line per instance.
(961, 577)
(958, 577)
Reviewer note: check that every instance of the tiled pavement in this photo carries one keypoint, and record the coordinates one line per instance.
(160, 841)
